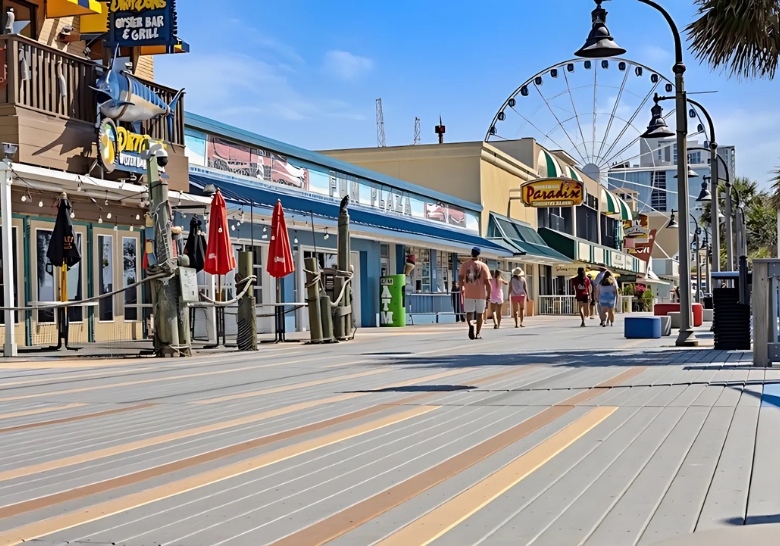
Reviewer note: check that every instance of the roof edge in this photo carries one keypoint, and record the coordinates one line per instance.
(205, 124)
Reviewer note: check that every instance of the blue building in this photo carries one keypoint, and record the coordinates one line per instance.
(391, 219)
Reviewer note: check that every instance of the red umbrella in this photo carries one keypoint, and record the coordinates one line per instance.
(219, 252)
(280, 262)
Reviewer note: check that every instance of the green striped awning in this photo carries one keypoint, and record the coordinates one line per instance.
(574, 175)
(617, 207)
(548, 166)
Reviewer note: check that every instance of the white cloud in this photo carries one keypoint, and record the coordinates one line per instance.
(654, 55)
(345, 65)
(756, 136)
(237, 88)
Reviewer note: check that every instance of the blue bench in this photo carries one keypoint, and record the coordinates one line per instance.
(643, 327)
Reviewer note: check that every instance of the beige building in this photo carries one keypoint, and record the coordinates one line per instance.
(491, 174)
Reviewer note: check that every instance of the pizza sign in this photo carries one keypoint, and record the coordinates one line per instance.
(553, 192)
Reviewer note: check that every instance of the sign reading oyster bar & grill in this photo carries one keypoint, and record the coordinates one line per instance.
(553, 192)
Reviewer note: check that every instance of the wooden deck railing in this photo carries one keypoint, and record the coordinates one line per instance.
(47, 80)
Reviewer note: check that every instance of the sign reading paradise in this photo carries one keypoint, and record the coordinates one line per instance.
(553, 192)
(120, 149)
(134, 23)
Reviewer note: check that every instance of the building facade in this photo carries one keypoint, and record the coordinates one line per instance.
(551, 243)
(49, 102)
(392, 221)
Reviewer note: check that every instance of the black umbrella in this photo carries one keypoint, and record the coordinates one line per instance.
(62, 246)
(64, 253)
(195, 248)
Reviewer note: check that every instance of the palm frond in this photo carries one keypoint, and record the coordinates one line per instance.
(740, 36)
(776, 189)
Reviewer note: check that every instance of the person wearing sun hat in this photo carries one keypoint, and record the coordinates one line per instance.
(518, 291)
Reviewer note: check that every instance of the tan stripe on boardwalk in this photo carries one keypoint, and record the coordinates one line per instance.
(39, 411)
(65, 376)
(143, 381)
(157, 440)
(285, 388)
(453, 512)
(122, 504)
(189, 462)
(602, 387)
(373, 507)
(75, 417)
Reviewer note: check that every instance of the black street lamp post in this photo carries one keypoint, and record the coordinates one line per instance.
(600, 44)
(697, 250)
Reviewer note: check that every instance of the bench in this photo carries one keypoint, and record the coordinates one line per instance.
(642, 327)
(663, 309)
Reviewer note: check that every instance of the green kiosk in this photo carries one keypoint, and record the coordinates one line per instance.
(392, 301)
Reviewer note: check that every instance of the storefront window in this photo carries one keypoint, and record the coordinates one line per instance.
(45, 275)
(76, 314)
(105, 277)
(16, 278)
(130, 276)
(384, 252)
(421, 275)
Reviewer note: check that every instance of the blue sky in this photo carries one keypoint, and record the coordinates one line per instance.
(308, 72)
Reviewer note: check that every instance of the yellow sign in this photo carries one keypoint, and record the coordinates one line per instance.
(137, 5)
(637, 229)
(553, 192)
(133, 142)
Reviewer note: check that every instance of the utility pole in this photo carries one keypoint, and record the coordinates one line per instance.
(166, 293)
(380, 125)
(9, 343)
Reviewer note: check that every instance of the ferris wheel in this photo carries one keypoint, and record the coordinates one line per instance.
(595, 110)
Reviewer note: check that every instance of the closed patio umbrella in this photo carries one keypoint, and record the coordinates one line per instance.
(63, 253)
(195, 247)
(219, 251)
(280, 262)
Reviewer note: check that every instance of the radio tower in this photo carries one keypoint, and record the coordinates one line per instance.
(380, 125)
(416, 130)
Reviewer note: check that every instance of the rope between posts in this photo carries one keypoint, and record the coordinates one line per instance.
(337, 273)
(75, 303)
(246, 281)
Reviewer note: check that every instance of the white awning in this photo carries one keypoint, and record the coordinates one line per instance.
(41, 179)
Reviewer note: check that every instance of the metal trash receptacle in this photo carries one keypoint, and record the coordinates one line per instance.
(731, 321)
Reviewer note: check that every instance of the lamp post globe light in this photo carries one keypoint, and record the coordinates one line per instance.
(601, 44)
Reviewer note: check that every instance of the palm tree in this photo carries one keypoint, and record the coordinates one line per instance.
(740, 36)
(776, 203)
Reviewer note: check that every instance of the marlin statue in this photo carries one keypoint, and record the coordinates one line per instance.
(122, 97)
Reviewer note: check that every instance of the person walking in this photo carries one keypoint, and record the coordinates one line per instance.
(518, 289)
(474, 276)
(497, 284)
(582, 291)
(595, 299)
(607, 290)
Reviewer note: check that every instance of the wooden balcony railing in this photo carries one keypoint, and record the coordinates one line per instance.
(47, 80)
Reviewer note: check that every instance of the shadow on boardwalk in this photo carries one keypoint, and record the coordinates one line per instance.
(593, 359)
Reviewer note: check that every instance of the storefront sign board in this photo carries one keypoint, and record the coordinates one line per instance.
(553, 192)
(642, 250)
(638, 229)
(120, 149)
(312, 181)
(134, 23)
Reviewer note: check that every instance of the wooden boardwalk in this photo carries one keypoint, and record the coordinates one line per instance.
(551, 435)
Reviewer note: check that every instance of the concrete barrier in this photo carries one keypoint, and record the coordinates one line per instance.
(675, 318)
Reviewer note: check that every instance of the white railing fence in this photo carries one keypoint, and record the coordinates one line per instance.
(556, 305)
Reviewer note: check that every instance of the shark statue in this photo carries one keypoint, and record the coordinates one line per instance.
(122, 97)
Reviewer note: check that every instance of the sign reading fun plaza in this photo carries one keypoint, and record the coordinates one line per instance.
(553, 192)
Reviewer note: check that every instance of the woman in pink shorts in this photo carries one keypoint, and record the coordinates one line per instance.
(497, 297)
(518, 289)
